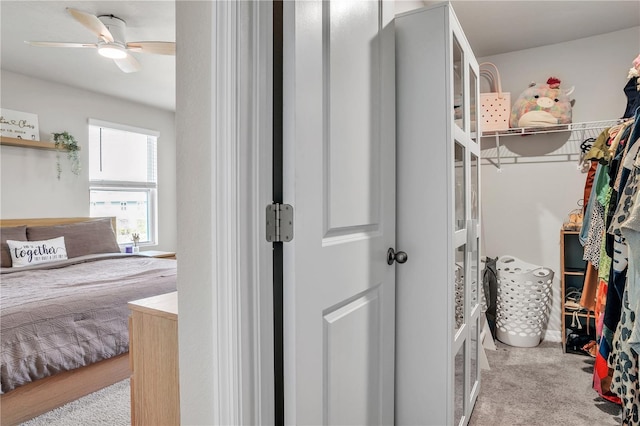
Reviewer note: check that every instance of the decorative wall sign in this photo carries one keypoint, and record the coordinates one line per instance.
(19, 125)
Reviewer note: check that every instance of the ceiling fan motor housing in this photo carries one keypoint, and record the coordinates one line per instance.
(116, 27)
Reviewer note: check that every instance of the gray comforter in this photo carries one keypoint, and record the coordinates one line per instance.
(70, 314)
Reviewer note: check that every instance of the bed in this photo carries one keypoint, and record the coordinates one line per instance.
(64, 322)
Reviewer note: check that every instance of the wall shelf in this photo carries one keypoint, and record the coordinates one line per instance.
(499, 154)
(25, 143)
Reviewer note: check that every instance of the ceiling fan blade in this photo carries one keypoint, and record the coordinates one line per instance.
(157, 47)
(128, 64)
(92, 23)
(60, 44)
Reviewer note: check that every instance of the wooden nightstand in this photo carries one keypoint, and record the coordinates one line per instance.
(153, 357)
(158, 253)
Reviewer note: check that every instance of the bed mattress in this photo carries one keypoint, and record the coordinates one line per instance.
(69, 314)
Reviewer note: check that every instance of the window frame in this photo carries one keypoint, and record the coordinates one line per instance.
(127, 186)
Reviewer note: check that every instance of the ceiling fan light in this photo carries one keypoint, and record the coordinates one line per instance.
(112, 52)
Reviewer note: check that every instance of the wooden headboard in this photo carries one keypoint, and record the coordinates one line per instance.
(50, 221)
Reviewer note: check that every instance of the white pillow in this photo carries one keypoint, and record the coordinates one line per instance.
(25, 253)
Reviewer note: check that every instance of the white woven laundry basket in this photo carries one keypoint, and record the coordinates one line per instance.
(523, 301)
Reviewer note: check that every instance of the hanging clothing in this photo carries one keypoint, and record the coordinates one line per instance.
(625, 229)
(602, 373)
(613, 308)
(631, 231)
(618, 246)
(589, 288)
(611, 287)
(633, 97)
(624, 361)
(631, 151)
(599, 150)
(591, 174)
(589, 206)
(617, 205)
(617, 134)
(596, 223)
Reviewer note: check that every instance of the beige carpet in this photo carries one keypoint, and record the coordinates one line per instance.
(540, 386)
(110, 406)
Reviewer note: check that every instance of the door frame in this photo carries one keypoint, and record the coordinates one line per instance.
(224, 121)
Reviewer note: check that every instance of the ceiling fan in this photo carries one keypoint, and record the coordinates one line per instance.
(110, 31)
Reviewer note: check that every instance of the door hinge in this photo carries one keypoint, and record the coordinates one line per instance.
(279, 223)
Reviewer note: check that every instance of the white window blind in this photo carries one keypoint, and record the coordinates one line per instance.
(123, 179)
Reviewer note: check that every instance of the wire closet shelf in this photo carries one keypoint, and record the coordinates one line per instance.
(498, 154)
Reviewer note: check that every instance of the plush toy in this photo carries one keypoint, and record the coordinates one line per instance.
(542, 105)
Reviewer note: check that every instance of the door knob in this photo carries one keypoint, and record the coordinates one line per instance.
(400, 257)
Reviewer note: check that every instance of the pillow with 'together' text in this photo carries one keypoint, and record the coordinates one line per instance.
(25, 253)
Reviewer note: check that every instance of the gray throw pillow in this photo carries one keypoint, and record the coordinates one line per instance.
(82, 238)
(18, 233)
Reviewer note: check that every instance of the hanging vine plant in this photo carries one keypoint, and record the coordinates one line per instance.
(66, 142)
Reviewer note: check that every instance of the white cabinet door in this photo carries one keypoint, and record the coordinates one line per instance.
(339, 174)
(438, 317)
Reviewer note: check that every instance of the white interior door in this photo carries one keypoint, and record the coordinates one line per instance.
(339, 174)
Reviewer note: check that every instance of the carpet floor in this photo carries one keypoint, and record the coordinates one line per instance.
(525, 386)
(540, 386)
(110, 406)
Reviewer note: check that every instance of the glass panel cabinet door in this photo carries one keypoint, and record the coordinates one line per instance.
(460, 186)
(475, 187)
(428, 76)
(473, 282)
(460, 287)
(473, 105)
(474, 365)
(459, 366)
(458, 84)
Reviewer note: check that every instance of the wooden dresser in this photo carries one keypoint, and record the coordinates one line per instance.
(153, 354)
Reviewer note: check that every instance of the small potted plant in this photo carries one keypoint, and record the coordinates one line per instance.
(66, 142)
(136, 238)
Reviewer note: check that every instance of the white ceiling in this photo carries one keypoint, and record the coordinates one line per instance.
(492, 27)
(153, 85)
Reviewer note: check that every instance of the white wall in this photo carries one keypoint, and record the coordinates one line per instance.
(29, 186)
(401, 6)
(524, 206)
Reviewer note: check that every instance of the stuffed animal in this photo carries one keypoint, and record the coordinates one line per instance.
(542, 105)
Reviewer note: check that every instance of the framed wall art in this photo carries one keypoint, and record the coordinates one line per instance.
(19, 125)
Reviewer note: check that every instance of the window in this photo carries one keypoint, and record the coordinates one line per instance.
(123, 179)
